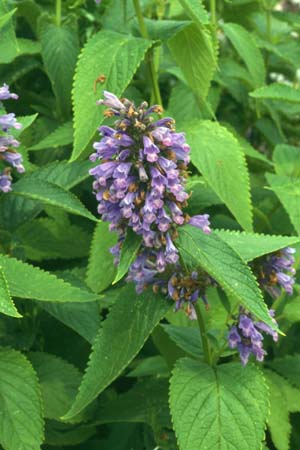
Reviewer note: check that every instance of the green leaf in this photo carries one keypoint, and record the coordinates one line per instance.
(196, 11)
(59, 381)
(287, 190)
(26, 281)
(8, 42)
(187, 338)
(28, 47)
(60, 137)
(150, 366)
(118, 57)
(44, 239)
(225, 266)
(101, 269)
(60, 48)
(129, 250)
(132, 316)
(4, 18)
(146, 402)
(21, 422)
(218, 156)
(51, 194)
(218, 408)
(287, 160)
(278, 421)
(277, 91)
(7, 306)
(289, 367)
(248, 51)
(253, 245)
(291, 310)
(83, 318)
(195, 53)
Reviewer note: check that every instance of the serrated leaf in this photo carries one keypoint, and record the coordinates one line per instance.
(218, 408)
(21, 422)
(7, 306)
(132, 315)
(26, 281)
(118, 59)
(218, 156)
(43, 239)
(51, 194)
(225, 266)
(101, 269)
(60, 137)
(277, 91)
(247, 49)
(129, 250)
(278, 421)
(253, 245)
(287, 190)
(289, 367)
(60, 48)
(146, 402)
(287, 160)
(194, 51)
(196, 11)
(59, 381)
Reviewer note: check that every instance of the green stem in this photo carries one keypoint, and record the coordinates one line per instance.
(58, 12)
(204, 338)
(150, 60)
(213, 14)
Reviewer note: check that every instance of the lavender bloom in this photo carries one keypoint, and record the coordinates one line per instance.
(8, 142)
(276, 270)
(246, 336)
(201, 221)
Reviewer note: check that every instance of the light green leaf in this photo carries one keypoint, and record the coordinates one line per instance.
(4, 18)
(59, 381)
(187, 338)
(60, 48)
(277, 91)
(8, 42)
(278, 421)
(51, 194)
(291, 310)
(7, 306)
(218, 408)
(195, 53)
(26, 281)
(129, 250)
(225, 266)
(218, 156)
(28, 47)
(118, 57)
(21, 421)
(247, 49)
(150, 366)
(287, 160)
(253, 245)
(134, 317)
(60, 137)
(101, 269)
(196, 11)
(287, 190)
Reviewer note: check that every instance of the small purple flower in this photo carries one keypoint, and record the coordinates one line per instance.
(111, 101)
(245, 335)
(5, 94)
(9, 121)
(151, 151)
(202, 222)
(5, 182)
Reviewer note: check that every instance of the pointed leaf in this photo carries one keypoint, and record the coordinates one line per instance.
(122, 335)
(218, 156)
(21, 421)
(118, 57)
(6, 302)
(277, 91)
(287, 160)
(289, 367)
(129, 250)
(60, 137)
(218, 408)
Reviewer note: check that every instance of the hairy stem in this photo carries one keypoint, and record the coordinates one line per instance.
(204, 338)
(150, 61)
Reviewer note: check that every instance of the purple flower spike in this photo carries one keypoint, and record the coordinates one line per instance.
(245, 335)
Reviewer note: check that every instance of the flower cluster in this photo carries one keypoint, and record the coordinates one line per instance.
(8, 144)
(246, 335)
(140, 184)
(277, 271)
